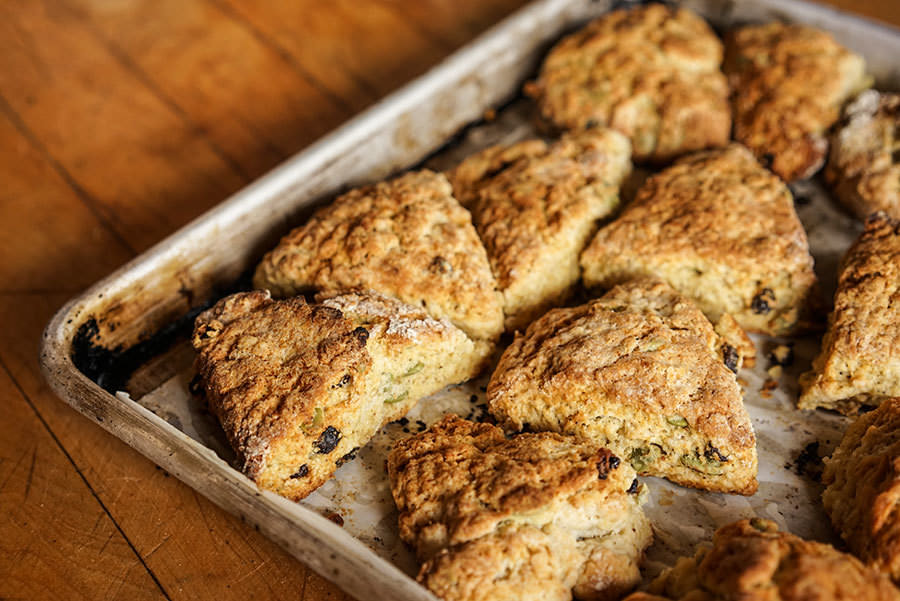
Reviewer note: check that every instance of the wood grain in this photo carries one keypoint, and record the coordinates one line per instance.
(119, 122)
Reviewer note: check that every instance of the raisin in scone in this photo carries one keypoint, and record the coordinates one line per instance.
(862, 493)
(537, 516)
(859, 363)
(535, 206)
(720, 229)
(788, 85)
(751, 560)
(407, 238)
(298, 387)
(651, 73)
(864, 162)
(640, 371)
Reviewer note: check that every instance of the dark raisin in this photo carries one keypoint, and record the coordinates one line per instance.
(607, 462)
(362, 335)
(760, 303)
(730, 357)
(473, 398)
(345, 379)
(348, 457)
(328, 440)
(632, 490)
(713, 454)
(403, 421)
(301, 472)
(614, 462)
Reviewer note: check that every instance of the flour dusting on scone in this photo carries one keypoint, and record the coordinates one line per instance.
(640, 371)
(751, 560)
(535, 206)
(720, 229)
(534, 517)
(788, 85)
(651, 73)
(862, 493)
(859, 363)
(298, 387)
(864, 162)
(407, 238)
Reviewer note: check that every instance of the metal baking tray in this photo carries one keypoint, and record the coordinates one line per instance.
(128, 331)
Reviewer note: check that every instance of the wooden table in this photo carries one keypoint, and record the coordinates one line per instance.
(120, 120)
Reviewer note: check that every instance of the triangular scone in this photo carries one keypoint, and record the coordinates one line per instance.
(720, 229)
(535, 206)
(407, 238)
(640, 371)
(299, 387)
(531, 517)
(859, 363)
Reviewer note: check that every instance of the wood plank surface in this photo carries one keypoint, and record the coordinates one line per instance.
(119, 122)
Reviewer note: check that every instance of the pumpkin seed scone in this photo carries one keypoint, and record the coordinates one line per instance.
(299, 387)
(534, 517)
(751, 560)
(862, 480)
(642, 372)
(720, 229)
(651, 73)
(859, 363)
(788, 85)
(535, 206)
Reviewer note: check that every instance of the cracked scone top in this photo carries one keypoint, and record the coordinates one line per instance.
(788, 84)
(299, 387)
(862, 480)
(751, 560)
(640, 371)
(859, 363)
(535, 206)
(651, 73)
(407, 238)
(534, 517)
(720, 229)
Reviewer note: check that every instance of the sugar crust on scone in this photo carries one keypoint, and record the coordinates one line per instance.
(529, 517)
(640, 371)
(535, 206)
(720, 229)
(650, 72)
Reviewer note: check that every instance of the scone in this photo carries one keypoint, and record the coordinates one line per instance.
(650, 72)
(640, 371)
(535, 206)
(864, 162)
(298, 387)
(407, 238)
(859, 363)
(751, 561)
(721, 230)
(532, 517)
(788, 85)
(862, 491)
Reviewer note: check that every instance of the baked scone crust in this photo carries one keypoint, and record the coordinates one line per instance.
(859, 363)
(864, 161)
(720, 229)
(788, 85)
(862, 493)
(640, 371)
(751, 560)
(530, 517)
(297, 387)
(407, 238)
(535, 206)
(651, 73)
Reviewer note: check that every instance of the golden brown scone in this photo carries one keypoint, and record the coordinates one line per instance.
(788, 84)
(864, 162)
(859, 363)
(650, 72)
(532, 517)
(722, 231)
(535, 206)
(862, 493)
(640, 371)
(298, 387)
(751, 561)
(407, 238)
